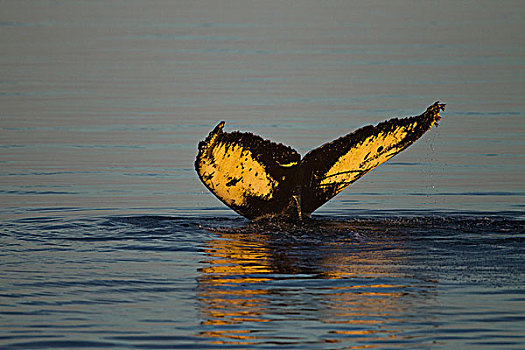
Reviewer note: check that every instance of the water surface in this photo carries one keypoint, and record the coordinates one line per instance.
(108, 238)
(167, 282)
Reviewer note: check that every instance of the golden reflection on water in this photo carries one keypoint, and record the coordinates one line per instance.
(257, 286)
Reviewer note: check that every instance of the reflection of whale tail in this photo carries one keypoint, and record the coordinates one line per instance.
(259, 178)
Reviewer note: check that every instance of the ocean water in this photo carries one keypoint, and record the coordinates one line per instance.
(109, 240)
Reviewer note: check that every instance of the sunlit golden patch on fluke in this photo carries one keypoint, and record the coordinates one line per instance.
(259, 178)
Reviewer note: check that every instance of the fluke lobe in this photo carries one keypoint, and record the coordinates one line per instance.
(258, 178)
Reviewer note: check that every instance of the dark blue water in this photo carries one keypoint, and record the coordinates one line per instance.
(152, 282)
(108, 238)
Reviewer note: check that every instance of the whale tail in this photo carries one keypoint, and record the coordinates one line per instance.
(258, 178)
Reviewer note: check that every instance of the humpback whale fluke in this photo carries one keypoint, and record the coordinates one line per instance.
(258, 178)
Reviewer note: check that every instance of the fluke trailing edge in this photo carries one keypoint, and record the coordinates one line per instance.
(258, 178)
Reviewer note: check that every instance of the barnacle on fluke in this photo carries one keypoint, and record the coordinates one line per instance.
(258, 178)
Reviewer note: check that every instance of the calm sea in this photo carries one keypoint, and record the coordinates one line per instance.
(109, 240)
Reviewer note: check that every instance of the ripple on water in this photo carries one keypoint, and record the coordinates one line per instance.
(193, 282)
